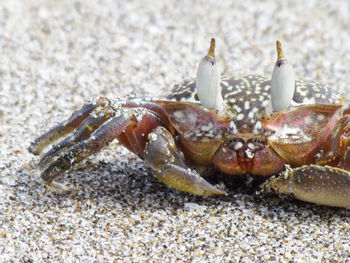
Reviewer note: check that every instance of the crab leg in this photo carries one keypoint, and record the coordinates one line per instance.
(127, 127)
(82, 133)
(168, 165)
(102, 137)
(66, 127)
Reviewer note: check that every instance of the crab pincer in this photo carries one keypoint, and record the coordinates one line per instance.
(322, 185)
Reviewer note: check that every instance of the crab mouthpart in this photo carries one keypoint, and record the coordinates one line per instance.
(282, 82)
(208, 81)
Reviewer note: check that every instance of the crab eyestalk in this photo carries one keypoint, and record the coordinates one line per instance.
(208, 81)
(282, 82)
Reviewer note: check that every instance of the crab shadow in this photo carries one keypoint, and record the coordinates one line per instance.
(134, 187)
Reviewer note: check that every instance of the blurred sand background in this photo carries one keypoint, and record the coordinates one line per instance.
(56, 55)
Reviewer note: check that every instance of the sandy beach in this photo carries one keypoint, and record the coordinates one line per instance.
(57, 55)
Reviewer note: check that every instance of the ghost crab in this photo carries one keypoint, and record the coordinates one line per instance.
(239, 125)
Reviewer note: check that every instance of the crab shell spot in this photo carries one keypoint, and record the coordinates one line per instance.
(300, 133)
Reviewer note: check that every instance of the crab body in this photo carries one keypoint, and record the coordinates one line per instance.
(176, 134)
(244, 141)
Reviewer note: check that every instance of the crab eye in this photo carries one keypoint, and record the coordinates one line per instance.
(208, 80)
(282, 82)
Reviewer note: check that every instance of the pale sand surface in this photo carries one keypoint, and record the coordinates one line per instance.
(56, 55)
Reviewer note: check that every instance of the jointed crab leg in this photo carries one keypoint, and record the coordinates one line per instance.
(102, 137)
(66, 127)
(136, 121)
(168, 165)
(82, 133)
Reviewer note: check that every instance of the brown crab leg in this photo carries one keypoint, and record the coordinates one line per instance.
(168, 165)
(100, 138)
(65, 127)
(82, 133)
(137, 121)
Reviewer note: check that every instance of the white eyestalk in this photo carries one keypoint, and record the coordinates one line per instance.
(208, 81)
(282, 82)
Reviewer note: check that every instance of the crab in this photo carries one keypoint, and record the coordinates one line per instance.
(295, 134)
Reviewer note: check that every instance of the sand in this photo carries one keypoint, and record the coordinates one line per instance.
(56, 55)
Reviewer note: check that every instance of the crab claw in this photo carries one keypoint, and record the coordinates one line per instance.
(208, 80)
(323, 185)
(169, 167)
(282, 82)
